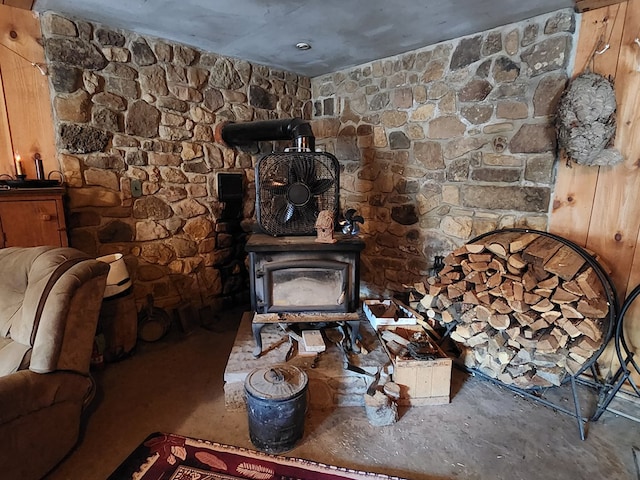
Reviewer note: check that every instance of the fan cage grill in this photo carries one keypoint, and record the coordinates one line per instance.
(275, 172)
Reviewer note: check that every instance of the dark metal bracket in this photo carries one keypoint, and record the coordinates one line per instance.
(626, 359)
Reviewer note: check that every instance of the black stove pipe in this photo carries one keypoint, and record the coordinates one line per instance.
(234, 134)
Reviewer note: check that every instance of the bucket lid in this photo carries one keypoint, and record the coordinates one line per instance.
(278, 382)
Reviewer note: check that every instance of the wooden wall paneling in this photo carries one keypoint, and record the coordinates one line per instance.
(575, 186)
(615, 220)
(26, 90)
(25, 4)
(632, 317)
(6, 150)
(588, 5)
(630, 135)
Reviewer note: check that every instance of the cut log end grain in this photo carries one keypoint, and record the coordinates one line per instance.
(474, 247)
(499, 321)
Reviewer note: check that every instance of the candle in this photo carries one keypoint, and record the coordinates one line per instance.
(19, 170)
(39, 167)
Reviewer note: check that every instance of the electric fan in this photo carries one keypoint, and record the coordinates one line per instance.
(292, 188)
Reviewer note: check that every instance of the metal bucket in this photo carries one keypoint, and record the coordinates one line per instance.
(276, 405)
(153, 322)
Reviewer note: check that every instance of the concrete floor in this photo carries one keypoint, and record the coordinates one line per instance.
(486, 432)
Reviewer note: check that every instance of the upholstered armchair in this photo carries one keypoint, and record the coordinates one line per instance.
(50, 299)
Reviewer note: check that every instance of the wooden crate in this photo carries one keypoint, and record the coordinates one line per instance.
(406, 317)
(422, 382)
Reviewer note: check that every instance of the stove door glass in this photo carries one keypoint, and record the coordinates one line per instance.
(308, 286)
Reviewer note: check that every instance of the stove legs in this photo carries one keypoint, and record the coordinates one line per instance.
(256, 328)
(354, 326)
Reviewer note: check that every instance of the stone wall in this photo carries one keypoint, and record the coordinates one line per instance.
(134, 119)
(444, 143)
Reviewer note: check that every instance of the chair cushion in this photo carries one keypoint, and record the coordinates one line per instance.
(14, 356)
(17, 279)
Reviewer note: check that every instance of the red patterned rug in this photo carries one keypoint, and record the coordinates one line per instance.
(164, 456)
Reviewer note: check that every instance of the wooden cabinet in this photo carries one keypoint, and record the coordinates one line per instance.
(32, 217)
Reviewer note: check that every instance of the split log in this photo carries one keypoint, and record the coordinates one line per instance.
(596, 308)
(480, 257)
(499, 322)
(590, 329)
(562, 296)
(541, 250)
(474, 248)
(573, 287)
(470, 297)
(549, 283)
(589, 283)
(501, 244)
(522, 242)
(476, 277)
(494, 280)
(531, 298)
(483, 313)
(565, 263)
(516, 261)
(543, 305)
(525, 318)
(529, 281)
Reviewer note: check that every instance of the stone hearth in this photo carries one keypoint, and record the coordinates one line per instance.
(330, 385)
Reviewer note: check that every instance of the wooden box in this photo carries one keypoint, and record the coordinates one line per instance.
(422, 382)
(405, 316)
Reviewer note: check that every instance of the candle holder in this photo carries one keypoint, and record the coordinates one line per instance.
(21, 177)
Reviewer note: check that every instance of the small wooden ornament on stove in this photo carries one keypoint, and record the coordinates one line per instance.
(324, 227)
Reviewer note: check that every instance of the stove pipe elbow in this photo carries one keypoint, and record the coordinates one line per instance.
(237, 134)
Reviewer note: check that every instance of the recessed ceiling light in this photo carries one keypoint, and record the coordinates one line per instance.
(303, 46)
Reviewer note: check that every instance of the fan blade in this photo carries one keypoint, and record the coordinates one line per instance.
(304, 170)
(288, 213)
(282, 209)
(309, 213)
(275, 188)
(320, 186)
(349, 213)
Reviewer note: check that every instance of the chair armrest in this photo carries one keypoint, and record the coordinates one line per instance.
(25, 391)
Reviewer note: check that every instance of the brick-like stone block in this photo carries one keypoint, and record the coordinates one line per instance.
(74, 52)
(548, 55)
(523, 199)
(142, 120)
(466, 53)
(446, 127)
(494, 175)
(82, 139)
(534, 138)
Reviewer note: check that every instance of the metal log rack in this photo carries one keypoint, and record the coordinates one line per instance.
(626, 359)
(606, 389)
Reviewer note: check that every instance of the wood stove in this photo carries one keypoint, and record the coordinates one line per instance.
(300, 279)
(293, 277)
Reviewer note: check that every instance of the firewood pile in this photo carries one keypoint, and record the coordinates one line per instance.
(528, 310)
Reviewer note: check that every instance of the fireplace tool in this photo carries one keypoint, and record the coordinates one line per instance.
(336, 336)
(294, 186)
